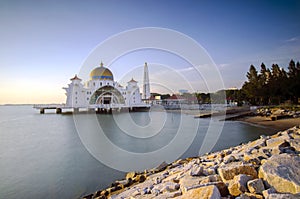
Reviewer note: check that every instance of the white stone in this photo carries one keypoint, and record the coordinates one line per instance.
(282, 172)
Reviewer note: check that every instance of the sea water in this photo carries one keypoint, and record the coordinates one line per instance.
(45, 155)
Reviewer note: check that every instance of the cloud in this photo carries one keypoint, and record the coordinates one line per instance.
(293, 39)
(186, 69)
(223, 65)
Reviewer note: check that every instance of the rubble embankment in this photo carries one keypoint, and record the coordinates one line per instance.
(265, 168)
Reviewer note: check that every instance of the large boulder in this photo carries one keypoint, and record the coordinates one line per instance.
(228, 171)
(274, 142)
(282, 172)
(207, 192)
(238, 185)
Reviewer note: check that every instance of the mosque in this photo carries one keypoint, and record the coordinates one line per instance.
(103, 94)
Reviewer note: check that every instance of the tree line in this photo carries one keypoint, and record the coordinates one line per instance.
(272, 85)
(269, 86)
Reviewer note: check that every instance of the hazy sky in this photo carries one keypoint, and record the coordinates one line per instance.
(44, 43)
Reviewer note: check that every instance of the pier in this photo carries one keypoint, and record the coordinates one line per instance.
(98, 108)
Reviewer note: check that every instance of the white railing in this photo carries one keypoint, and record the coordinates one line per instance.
(48, 105)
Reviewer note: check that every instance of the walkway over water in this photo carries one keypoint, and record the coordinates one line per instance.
(98, 108)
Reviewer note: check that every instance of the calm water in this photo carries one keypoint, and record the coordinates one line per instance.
(42, 156)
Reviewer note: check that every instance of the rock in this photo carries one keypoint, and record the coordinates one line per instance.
(174, 177)
(266, 152)
(140, 178)
(209, 171)
(196, 170)
(222, 188)
(283, 196)
(295, 143)
(159, 188)
(258, 143)
(208, 164)
(130, 175)
(188, 181)
(146, 190)
(127, 193)
(211, 156)
(282, 172)
(267, 192)
(295, 135)
(162, 166)
(156, 192)
(251, 196)
(238, 185)
(170, 187)
(253, 158)
(243, 196)
(227, 172)
(211, 178)
(136, 193)
(256, 186)
(167, 195)
(274, 142)
(207, 192)
(219, 174)
(229, 158)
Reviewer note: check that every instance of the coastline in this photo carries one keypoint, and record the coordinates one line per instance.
(244, 114)
(249, 170)
(263, 121)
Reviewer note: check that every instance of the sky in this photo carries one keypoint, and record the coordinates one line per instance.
(45, 43)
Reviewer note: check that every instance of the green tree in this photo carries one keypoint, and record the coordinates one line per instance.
(272, 86)
(277, 85)
(293, 81)
(250, 87)
(203, 98)
(263, 84)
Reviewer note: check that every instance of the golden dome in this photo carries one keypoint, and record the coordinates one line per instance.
(101, 73)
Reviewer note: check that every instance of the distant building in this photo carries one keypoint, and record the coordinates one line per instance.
(182, 91)
(233, 89)
(101, 91)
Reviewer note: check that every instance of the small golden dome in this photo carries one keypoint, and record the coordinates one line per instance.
(101, 73)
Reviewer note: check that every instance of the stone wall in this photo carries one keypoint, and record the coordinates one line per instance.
(268, 167)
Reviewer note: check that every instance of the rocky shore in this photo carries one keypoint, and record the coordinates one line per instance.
(268, 167)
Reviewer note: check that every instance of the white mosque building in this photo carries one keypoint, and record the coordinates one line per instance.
(102, 93)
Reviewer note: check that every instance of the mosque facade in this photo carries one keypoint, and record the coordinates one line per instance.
(102, 92)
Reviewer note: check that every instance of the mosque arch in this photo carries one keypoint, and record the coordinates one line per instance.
(107, 95)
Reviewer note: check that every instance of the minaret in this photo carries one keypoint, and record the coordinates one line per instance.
(146, 84)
